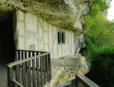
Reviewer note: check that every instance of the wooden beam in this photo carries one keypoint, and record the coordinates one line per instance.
(25, 60)
(17, 83)
(86, 81)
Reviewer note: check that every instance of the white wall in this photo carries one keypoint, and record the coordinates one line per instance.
(32, 33)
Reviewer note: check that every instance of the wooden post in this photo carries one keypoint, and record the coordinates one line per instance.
(37, 71)
(10, 77)
(76, 81)
(44, 60)
(23, 69)
(17, 68)
(33, 74)
(49, 61)
(30, 69)
(41, 72)
(29, 72)
(46, 67)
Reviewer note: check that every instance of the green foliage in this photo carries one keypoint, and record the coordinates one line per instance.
(100, 44)
(98, 8)
(100, 35)
(102, 70)
(100, 50)
(99, 30)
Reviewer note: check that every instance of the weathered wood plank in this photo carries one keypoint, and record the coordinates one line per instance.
(29, 72)
(17, 68)
(23, 69)
(37, 71)
(8, 77)
(26, 65)
(41, 72)
(85, 82)
(24, 60)
(31, 69)
(49, 61)
(17, 83)
(20, 66)
(33, 66)
(44, 63)
(46, 67)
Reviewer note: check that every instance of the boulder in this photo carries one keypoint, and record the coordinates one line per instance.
(66, 68)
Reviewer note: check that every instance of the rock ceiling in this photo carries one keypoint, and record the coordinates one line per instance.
(66, 14)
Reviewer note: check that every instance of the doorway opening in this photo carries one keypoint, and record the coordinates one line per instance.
(7, 45)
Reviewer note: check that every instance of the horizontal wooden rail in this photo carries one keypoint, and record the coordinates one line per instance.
(80, 81)
(83, 81)
(25, 60)
(30, 69)
(33, 51)
(17, 83)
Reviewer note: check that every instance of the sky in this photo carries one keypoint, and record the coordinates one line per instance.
(110, 15)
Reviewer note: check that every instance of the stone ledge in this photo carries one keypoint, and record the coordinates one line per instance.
(66, 68)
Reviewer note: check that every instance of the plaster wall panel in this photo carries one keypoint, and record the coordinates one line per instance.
(36, 34)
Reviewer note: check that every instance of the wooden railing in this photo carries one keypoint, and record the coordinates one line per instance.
(80, 81)
(31, 69)
(83, 81)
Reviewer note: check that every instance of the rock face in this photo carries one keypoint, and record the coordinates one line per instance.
(66, 14)
(65, 69)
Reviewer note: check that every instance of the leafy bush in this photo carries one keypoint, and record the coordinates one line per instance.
(102, 71)
(100, 45)
(100, 50)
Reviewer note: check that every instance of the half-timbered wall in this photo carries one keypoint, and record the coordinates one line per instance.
(32, 33)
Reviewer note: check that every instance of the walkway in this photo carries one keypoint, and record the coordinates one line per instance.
(3, 76)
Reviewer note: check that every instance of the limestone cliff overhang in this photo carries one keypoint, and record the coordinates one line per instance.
(66, 14)
(66, 68)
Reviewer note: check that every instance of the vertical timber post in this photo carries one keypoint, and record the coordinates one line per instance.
(9, 77)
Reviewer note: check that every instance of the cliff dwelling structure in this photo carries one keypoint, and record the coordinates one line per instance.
(42, 39)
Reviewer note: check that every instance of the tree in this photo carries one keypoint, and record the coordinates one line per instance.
(99, 40)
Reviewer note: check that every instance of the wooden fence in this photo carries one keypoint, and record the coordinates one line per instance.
(80, 81)
(31, 69)
(83, 81)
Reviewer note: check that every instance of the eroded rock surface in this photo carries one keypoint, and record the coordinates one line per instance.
(66, 14)
(66, 68)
